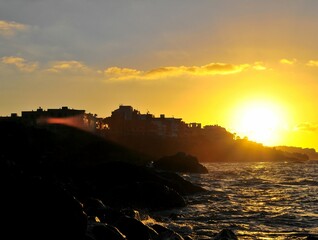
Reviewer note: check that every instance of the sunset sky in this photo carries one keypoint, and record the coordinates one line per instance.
(250, 66)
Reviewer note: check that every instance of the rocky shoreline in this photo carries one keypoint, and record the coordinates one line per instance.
(106, 201)
(62, 183)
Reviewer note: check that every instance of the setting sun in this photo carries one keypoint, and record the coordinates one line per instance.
(260, 122)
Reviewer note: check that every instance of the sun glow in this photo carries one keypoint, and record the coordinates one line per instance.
(260, 122)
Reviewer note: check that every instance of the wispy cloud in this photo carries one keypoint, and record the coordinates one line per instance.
(9, 29)
(307, 126)
(20, 63)
(116, 73)
(288, 61)
(312, 63)
(67, 66)
(259, 66)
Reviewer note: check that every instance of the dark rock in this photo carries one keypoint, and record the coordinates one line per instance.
(104, 231)
(117, 183)
(178, 183)
(39, 209)
(311, 237)
(135, 230)
(188, 238)
(129, 212)
(166, 233)
(226, 234)
(180, 162)
(151, 195)
(96, 208)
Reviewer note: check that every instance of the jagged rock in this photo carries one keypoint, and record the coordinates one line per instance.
(311, 237)
(151, 195)
(135, 230)
(103, 231)
(180, 162)
(225, 234)
(39, 209)
(178, 183)
(129, 212)
(94, 207)
(166, 233)
(188, 238)
(119, 183)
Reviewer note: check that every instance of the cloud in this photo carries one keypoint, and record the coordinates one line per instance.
(306, 126)
(20, 63)
(288, 61)
(312, 63)
(67, 66)
(9, 29)
(259, 66)
(116, 73)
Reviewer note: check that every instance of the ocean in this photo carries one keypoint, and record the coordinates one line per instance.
(258, 200)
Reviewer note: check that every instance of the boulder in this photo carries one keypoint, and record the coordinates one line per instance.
(225, 234)
(35, 208)
(119, 183)
(148, 194)
(135, 230)
(166, 233)
(103, 231)
(180, 162)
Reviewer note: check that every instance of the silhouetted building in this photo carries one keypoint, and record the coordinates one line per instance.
(64, 115)
(128, 121)
(124, 121)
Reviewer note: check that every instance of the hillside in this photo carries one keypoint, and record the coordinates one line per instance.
(310, 152)
(51, 144)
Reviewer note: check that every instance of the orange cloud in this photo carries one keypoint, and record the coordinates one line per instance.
(20, 63)
(288, 61)
(116, 73)
(259, 66)
(306, 126)
(69, 66)
(8, 29)
(312, 63)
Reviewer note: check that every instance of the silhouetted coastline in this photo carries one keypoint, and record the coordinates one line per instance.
(88, 185)
(157, 137)
(53, 176)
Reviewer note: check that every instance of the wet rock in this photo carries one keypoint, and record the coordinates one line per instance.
(129, 212)
(180, 162)
(102, 231)
(226, 234)
(188, 238)
(151, 195)
(311, 237)
(40, 209)
(135, 230)
(113, 174)
(166, 233)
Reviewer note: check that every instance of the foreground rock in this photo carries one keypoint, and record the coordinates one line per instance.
(180, 162)
(225, 234)
(41, 208)
(57, 187)
(35, 208)
(121, 184)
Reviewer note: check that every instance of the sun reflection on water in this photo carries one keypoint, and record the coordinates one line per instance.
(257, 201)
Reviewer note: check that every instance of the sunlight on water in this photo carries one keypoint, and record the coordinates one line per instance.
(255, 200)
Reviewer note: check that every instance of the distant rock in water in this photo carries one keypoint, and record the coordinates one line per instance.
(180, 162)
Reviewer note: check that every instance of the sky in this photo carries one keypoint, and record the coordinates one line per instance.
(250, 66)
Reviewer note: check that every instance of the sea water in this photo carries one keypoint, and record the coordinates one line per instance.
(259, 200)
